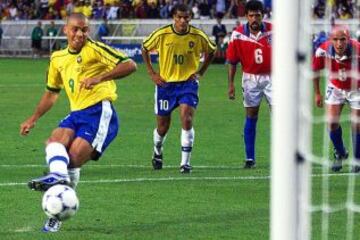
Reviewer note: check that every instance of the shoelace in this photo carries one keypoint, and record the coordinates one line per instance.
(52, 222)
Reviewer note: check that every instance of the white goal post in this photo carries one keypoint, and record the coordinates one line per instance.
(290, 180)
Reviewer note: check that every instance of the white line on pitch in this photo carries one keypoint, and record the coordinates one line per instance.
(185, 178)
(124, 166)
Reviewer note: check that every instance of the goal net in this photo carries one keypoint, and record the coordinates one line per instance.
(308, 200)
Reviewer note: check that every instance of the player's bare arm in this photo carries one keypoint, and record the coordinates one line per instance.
(318, 96)
(208, 59)
(120, 71)
(155, 77)
(47, 101)
(231, 85)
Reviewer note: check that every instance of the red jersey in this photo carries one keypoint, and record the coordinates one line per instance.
(340, 67)
(253, 52)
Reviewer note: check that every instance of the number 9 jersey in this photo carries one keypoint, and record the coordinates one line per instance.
(253, 52)
(67, 69)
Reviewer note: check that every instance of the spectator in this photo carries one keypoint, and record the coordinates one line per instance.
(220, 7)
(87, 9)
(43, 8)
(153, 11)
(1, 33)
(196, 11)
(52, 32)
(204, 10)
(36, 38)
(98, 10)
(219, 29)
(103, 31)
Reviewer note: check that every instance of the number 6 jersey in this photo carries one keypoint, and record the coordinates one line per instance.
(253, 52)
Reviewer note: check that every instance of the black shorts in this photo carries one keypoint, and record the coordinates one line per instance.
(36, 44)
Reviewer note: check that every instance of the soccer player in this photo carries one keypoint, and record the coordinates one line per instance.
(86, 70)
(250, 45)
(179, 46)
(340, 55)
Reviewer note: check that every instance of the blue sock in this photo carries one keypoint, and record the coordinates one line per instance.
(249, 137)
(336, 138)
(356, 145)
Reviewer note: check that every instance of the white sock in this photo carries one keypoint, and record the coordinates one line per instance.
(158, 142)
(57, 158)
(187, 141)
(74, 174)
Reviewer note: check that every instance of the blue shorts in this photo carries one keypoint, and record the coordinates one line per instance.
(97, 124)
(171, 95)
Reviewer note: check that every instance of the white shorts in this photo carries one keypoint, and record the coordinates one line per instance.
(336, 96)
(255, 87)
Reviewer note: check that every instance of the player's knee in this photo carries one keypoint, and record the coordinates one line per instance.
(76, 156)
(333, 126)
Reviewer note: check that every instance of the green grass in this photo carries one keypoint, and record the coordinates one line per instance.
(219, 200)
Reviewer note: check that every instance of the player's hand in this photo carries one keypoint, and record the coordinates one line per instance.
(157, 79)
(26, 126)
(89, 83)
(231, 92)
(319, 100)
(194, 77)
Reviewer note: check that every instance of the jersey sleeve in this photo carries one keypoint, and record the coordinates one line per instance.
(152, 42)
(53, 81)
(318, 61)
(207, 45)
(231, 53)
(109, 56)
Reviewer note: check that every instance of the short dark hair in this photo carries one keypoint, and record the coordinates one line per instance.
(180, 8)
(254, 5)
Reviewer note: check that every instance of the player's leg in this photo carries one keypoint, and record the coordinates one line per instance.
(57, 159)
(80, 152)
(254, 88)
(97, 128)
(334, 100)
(187, 136)
(250, 135)
(355, 120)
(164, 104)
(335, 134)
(159, 136)
(188, 96)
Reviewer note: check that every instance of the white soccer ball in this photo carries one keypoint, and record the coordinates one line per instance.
(60, 201)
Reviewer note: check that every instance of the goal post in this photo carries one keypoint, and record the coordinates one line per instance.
(290, 174)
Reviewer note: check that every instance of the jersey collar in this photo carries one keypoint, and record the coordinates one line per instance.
(173, 29)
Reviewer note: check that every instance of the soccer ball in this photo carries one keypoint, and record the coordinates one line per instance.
(60, 202)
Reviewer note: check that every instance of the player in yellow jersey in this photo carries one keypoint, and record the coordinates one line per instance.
(179, 46)
(86, 70)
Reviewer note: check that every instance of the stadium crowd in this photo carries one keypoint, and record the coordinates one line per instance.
(119, 9)
(153, 9)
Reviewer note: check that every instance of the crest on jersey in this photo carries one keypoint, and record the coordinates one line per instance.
(79, 59)
(269, 39)
(191, 44)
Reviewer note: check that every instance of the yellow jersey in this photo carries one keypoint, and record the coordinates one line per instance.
(67, 69)
(179, 54)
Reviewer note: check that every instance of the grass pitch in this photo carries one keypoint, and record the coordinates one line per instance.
(121, 197)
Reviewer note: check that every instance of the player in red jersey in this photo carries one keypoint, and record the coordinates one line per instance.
(340, 55)
(250, 45)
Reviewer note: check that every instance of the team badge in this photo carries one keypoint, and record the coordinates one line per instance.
(79, 59)
(191, 44)
(269, 39)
